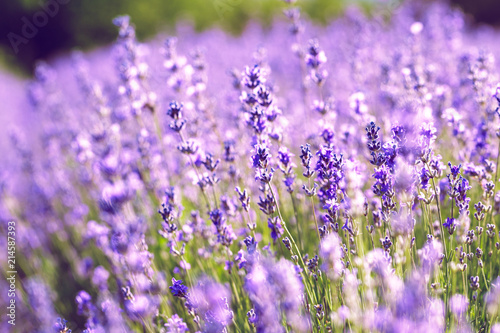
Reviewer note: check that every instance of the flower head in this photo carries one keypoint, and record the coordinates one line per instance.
(178, 289)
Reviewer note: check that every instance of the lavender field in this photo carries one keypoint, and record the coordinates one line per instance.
(296, 178)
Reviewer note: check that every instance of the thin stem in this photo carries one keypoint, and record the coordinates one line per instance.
(314, 213)
(197, 174)
(215, 197)
(291, 237)
(185, 262)
(295, 212)
(315, 219)
(160, 139)
(439, 211)
(498, 162)
(485, 280)
(446, 256)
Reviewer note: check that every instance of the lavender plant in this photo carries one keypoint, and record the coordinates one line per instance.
(302, 179)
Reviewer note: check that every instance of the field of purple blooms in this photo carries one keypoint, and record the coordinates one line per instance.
(292, 179)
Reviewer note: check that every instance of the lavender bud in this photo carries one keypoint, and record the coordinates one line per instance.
(479, 253)
(175, 110)
(287, 243)
(315, 56)
(490, 230)
(264, 175)
(178, 289)
(323, 231)
(127, 293)
(253, 77)
(474, 282)
(267, 204)
(450, 225)
(262, 156)
(319, 311)
(228, 151)
(244, 198)
(252, 317)
(312, 264)
(310, 192)
(374, 144)
(276, 228)
(61, 327)
(480, 210)
(189, 147)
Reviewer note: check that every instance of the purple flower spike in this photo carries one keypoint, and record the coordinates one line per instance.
(61, 327)
(84, 302)
(175, 324)
(253, 77)
(262, 156)
(455, 170)
(178, 289)
(276, 228)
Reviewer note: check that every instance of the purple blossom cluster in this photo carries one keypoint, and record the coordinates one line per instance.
(298, 179)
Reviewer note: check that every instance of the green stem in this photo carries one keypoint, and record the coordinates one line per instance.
(496, 168)
(160, 139)
(314, 213)
(197, 174)
(446, 257)
(292, 240)
(297, 224)
(315, 219)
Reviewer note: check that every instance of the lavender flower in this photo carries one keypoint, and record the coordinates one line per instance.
(459, 192)
(262, 156)
(332, 254)
(178, 289)
(61, 327)
(176, 325)
(459, 304)
(306, 157)
(270, 284)
(450, 225)
(83, 301)
(276, 228)
(253, 77)
(212, 302)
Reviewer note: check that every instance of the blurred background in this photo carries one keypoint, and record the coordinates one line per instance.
(43, 29)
